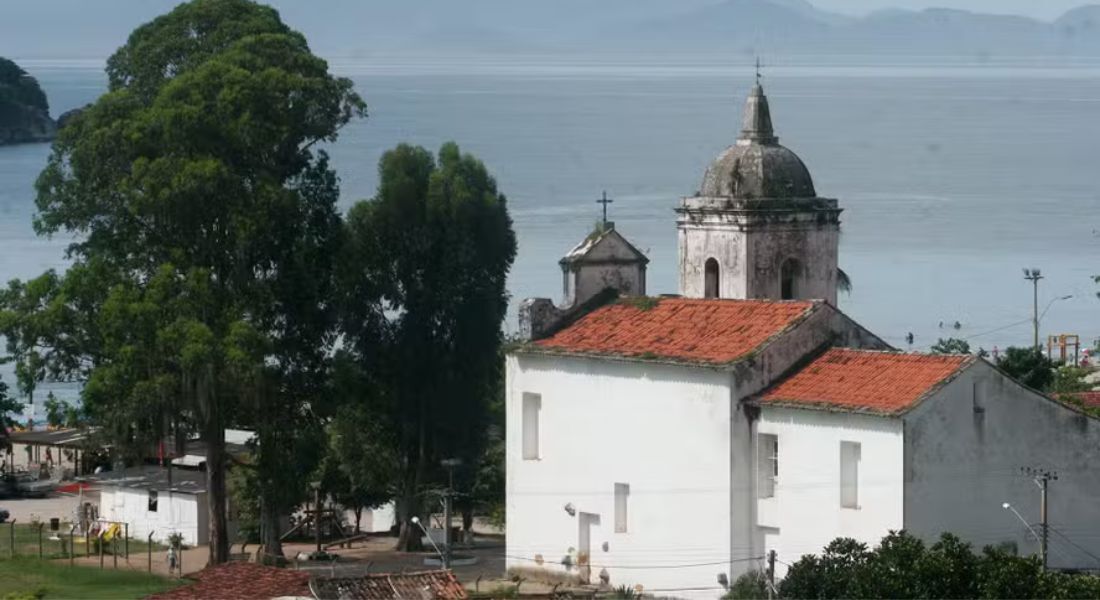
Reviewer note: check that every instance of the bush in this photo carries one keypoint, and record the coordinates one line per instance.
(752, 585)
(902, 567)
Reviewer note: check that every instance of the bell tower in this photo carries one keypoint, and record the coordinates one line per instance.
(757, 229)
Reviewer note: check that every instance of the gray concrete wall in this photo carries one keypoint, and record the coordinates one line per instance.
(964, 449)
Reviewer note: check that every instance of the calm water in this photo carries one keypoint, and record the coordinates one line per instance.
(952, 178)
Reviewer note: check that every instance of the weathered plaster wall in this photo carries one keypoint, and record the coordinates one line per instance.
(591, 279)
(714, 236)
(964, 451)
(805, 513)
(813, 245)
(662, 429)
(751, 240)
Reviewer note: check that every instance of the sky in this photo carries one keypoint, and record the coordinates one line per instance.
(1039, 9)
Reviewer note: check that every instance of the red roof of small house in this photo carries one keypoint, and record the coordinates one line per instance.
(241, 581)
(1090, 399)
(438, 585)
(865, 381)
(678, 329)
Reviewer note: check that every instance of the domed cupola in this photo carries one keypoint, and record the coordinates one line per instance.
(757, 228)
(756, 166)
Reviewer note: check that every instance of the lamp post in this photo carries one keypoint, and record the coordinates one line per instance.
(1033, 275)
(450, 464)
(316, 485)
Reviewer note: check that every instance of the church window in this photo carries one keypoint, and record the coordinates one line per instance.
(788, 279)
(532, 406)
(152, 501)
(849, 474)
(710, 279)
(767, 453)
(622, 493)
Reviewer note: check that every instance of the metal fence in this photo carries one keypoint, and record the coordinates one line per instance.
(110, 543)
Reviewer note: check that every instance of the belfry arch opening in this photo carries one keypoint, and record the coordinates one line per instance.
(788, 279)
(710, 274)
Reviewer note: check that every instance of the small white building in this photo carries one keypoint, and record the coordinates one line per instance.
(673, 442)
(150, 502)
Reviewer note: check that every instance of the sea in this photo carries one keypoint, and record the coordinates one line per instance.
(954, 176)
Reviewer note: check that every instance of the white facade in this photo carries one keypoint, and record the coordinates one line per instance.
(176, 512)
(602, 423)
(806, 510)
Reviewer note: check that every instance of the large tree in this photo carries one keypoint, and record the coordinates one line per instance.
(193, 189)
(434, 247)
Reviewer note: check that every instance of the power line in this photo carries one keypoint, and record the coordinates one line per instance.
(653, 566)
(1074, 544)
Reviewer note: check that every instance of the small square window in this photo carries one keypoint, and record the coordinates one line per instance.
(532, 406)
(152, 501)
(849, 474)
(767, 453)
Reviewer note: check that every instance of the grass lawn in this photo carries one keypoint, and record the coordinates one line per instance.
(26, 543)
(33, 578)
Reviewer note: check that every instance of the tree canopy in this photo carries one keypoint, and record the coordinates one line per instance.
(206, 227)
(434, 247)
(1028, 366)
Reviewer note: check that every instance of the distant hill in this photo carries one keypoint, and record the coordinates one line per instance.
(24, 111)
(65, 29)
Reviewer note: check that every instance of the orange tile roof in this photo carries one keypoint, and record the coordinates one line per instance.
(1090, 399)
(240, 581)
(861, 380)
(680, 329)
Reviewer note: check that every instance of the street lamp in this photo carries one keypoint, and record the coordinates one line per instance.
(442, 558)
(1008, 506)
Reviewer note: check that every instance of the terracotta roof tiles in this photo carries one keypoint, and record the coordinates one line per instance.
(865, 381)
(426, 585)
(240, 581)
(679, 329)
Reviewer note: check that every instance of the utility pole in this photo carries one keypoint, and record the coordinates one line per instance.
(448, 499)
(1033, 275)
(317, 514)
(1042, 479)
(771, 574)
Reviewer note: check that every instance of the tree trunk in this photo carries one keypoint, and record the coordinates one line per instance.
(358, 518)
(409, 534)
(216, 496)
(467, 518)
(272, 533)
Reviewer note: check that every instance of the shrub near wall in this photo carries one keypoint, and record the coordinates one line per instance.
(901, 566)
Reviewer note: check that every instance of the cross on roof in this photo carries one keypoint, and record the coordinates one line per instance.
(758, 70)
(604, 201)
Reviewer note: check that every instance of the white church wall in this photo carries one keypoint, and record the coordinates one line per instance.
(806, 511)
(662, 430)
(965, 447)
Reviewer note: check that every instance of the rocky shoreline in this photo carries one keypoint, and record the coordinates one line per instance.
(24, 111)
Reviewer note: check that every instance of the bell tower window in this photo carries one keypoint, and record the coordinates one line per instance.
(710, 289)
(788, 279)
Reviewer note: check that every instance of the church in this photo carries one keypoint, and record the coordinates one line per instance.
(672, 442)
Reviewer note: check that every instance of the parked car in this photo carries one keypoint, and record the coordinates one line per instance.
(4, 515)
